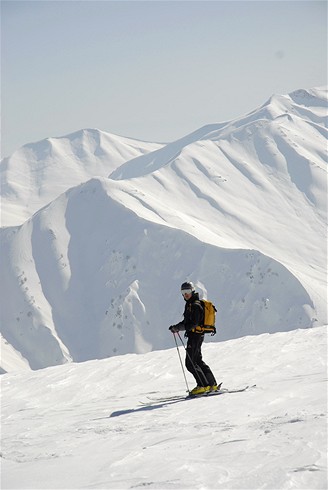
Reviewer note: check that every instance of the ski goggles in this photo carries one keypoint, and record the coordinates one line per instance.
(186, 291)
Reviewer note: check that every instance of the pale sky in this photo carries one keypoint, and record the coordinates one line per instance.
(151, 70)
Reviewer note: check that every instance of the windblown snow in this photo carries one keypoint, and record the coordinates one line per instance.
(99, 231)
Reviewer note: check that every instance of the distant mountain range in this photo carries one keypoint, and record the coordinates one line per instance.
(99, 231)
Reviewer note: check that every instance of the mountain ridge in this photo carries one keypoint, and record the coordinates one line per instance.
(243, 216)
(53, 165)
(277, 106)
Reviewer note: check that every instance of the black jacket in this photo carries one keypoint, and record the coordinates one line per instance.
(192, 315)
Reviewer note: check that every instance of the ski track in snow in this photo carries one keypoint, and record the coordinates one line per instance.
(82, 425)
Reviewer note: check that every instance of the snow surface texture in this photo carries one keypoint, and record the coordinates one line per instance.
(239, 208)
(82, 426)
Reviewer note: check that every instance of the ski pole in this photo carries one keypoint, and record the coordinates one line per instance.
(184, 374)
(196, 367)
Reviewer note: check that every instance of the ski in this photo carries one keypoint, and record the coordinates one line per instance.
(180, 397)
(175, 398)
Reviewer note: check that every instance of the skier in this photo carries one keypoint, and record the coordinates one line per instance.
(192, 317)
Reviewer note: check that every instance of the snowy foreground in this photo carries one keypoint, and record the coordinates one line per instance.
(83, 426)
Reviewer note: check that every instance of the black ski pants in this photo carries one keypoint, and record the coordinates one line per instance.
(194, 361)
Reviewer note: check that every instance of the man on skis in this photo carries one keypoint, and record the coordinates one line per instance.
(192, 317)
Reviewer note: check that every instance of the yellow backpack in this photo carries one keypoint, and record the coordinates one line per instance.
(208, 325)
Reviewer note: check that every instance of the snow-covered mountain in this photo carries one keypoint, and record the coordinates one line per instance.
(83, 426)
(237, 207)
(37, 173)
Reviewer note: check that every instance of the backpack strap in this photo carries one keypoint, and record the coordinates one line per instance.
(199, 328)
(200, 303)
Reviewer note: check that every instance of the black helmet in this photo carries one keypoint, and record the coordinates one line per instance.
(187, 285)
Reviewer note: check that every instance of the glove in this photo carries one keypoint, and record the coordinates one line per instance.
(174, 328)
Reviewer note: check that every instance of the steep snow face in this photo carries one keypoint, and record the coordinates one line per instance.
(239, 208)
(39, 172)
(85, 284)
(258, 182)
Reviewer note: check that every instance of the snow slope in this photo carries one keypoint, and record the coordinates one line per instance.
(259, 182)
(86, 289)
(83, 426)
(239, 208)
